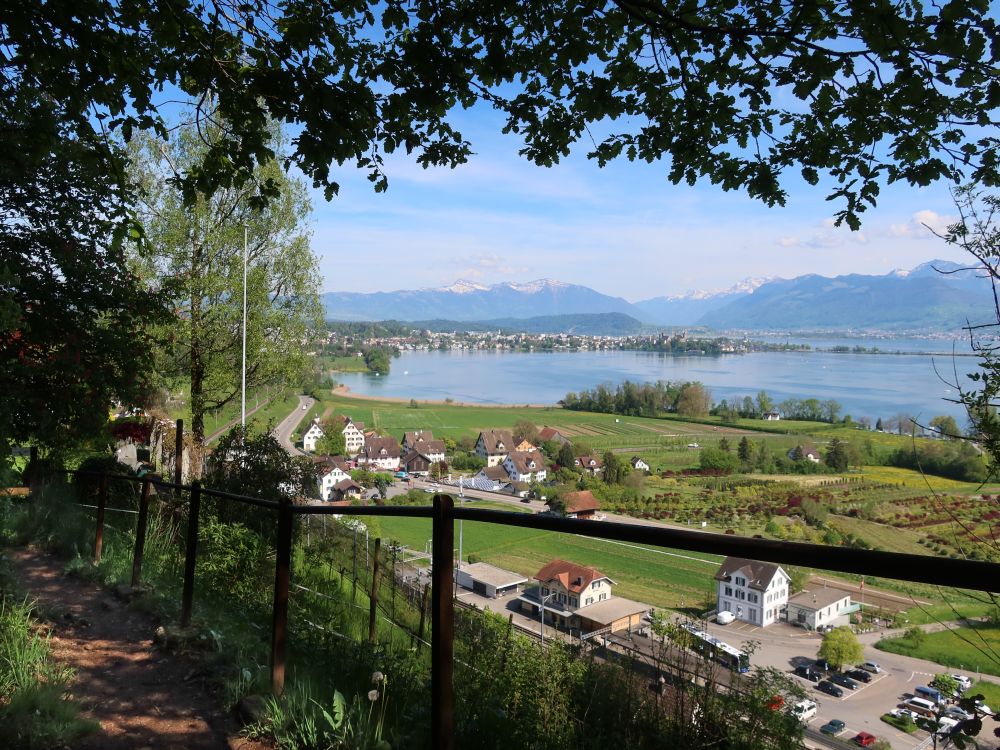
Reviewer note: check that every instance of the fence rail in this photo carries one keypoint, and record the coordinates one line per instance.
(966, 574)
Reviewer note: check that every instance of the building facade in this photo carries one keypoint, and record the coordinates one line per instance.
(755, 592)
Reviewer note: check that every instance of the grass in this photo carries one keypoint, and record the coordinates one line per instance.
(990, 692)
(345, 364)
(977, 650)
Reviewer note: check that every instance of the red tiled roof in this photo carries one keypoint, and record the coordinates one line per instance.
(573, 577)
(580, 502)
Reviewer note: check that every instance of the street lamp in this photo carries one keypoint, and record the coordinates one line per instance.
(541, 615)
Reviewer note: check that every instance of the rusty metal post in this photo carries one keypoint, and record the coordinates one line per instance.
(279, 622)
(140, 531)
(102, 503)
(179, 452)
(443, 626)
(424, 602)
(373, 600)
(191, 554)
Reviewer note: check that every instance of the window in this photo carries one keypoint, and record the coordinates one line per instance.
(590, 600)
(729, 590)
(602, 597)
(594, 584)
(545, 590)
(572, 601)
(752, 598)
(741, 581)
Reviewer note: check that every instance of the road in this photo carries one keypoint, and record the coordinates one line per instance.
(283, 431)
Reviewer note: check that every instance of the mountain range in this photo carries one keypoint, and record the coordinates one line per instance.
(919, 299)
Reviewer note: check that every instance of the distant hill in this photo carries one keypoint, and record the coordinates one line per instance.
(688, 308)
(918, 299)
(583, 324)
(467, 301)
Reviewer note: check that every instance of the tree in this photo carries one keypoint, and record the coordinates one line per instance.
(694, 400)
(764, 402)
(377, 361)
(840, 646)
(947, 684)
(382, 484)
(332, 443)
(946, 427)
(526, 430)
(565, 457)
(878, 425)
(836, 455)
(74, 318)
(738, 93)
(193, 251)
(614, 470)
(715, 459)
(724, 445)
(831, 409)
(744, 451)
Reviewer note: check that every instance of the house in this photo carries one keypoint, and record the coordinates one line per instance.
(770, 416)
(433, 449)
(354, 435)
(755, 592)
(311, 435)
(548, 433)
(410, 439)
(525, 467)
(580, 504)
(347, 489)
(494, 474)
(590, 464)
(380, 454)
(805, 453)
(579, 597)
(488, 580)
(494, 445)
(638, 464)
(330, 471)
(416, 463)
(523, 446)
(822, 608)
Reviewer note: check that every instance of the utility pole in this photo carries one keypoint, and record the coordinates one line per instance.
(244, 390)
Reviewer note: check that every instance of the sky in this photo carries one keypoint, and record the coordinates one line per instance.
(622, 230)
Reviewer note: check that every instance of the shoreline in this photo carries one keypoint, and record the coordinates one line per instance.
(345, 392)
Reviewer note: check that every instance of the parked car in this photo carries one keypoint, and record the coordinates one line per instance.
(901, 713)
(859, 674)
(863, 739)
(840, 679)
(808, 673)
(725, 617)
(833, 727)
(823, 665)
(830, 689)
(957, 712)
(964, 683)
(870, 666)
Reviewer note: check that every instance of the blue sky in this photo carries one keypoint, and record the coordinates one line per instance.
(622, 230)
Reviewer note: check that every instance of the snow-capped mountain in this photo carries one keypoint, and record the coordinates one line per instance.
(689, 307)
(467, 300)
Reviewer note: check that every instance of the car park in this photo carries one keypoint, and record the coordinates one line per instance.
(830, 689)
(863, 739)
(859, 674)
(833, 727)
(843, 680)
(871, 666)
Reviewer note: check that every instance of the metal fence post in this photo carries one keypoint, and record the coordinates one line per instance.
(191, 555)
(443, 626)
(102, 502)
(279, 623)
(179, 451)
(373, 601)
(140, 531)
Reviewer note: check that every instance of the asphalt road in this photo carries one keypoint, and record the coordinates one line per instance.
(284, 429)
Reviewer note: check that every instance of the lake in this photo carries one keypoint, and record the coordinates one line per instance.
(865, 384)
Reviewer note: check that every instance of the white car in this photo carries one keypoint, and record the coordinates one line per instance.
(964, 683)
(870, 666)
(956, 712)
(725, 617)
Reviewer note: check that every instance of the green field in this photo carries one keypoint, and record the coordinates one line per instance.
(659, 577)
(344, 364)
(975, 650)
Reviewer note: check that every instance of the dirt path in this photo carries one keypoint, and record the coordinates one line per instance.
(142, 697)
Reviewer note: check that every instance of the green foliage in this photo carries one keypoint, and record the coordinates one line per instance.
(333, 442)
(915, 635)
(947, 684)
(614, 470)
(377, 361)
(694, 400)
(234, 561)
(840, 646)
(716, 459)
(192, 248)
(467, 462)
(836, 455)
(953, 459)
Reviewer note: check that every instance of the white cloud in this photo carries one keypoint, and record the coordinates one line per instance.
(922, 225)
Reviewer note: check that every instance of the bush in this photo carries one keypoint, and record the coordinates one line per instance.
(232, 560)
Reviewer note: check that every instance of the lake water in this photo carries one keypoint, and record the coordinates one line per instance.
(865, 384)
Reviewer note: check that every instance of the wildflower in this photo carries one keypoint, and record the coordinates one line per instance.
(373, 695)
(377, 677)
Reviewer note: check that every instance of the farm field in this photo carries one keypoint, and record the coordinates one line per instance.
(962, 648)
(661, 578)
